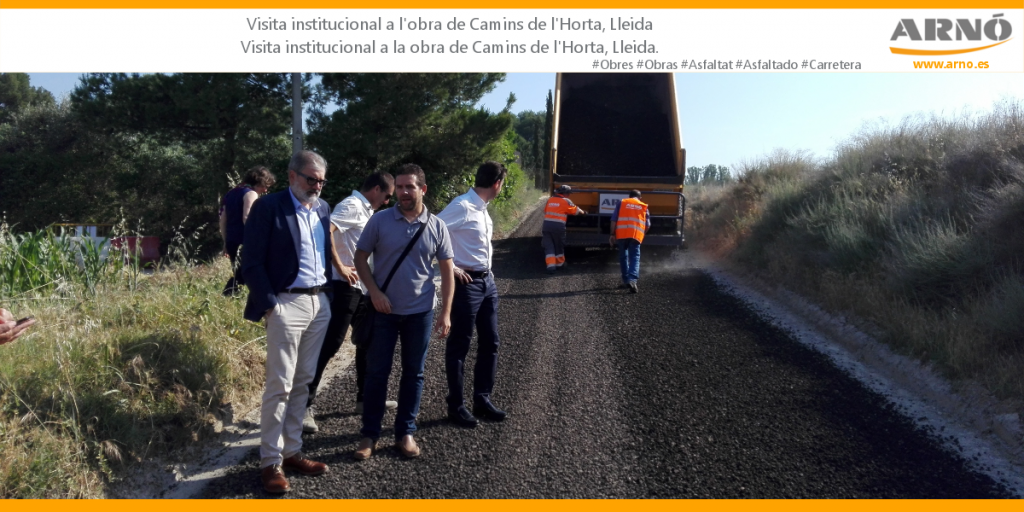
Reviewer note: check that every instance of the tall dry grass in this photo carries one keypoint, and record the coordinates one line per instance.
(914, 227)
(121, 366)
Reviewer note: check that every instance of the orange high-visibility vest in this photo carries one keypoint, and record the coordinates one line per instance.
(558, 209)
(632, 220)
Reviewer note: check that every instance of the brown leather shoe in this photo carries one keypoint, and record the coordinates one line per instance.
(304, 466)
(407, 446)
(273, 480)
(365, 449)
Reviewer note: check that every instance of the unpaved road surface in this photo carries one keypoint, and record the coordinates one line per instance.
(676, 392)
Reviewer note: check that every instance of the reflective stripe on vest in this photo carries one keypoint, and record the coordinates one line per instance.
(558, 208)
(632, 220)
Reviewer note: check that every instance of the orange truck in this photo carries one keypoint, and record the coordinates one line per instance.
(612, 133)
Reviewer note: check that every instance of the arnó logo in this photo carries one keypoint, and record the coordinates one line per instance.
(942, 29)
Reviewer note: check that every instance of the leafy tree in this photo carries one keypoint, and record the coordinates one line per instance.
(529, 127)
(538, 143)
(182, 137)
(17, 93)
(239, 113)
(549, 119)
(57, 169)
(383, 120)
(514, 179)
(710, 174)
(53, 168)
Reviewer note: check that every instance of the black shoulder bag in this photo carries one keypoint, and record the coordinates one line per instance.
(362, 321)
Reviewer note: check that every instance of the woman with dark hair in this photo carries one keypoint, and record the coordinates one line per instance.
(234, 209)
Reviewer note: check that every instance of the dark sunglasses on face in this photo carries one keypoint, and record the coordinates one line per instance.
(311, 181)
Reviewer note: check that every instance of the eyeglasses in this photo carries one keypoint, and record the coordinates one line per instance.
(311, 181)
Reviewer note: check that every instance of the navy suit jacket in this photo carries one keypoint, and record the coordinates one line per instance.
(270, 254)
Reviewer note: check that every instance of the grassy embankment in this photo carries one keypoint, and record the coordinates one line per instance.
(914, 228)
(506, 214)
(121, 366)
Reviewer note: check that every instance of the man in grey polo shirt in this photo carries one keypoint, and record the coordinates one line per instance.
(406, 310)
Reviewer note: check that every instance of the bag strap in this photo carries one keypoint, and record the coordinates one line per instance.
(404, 254)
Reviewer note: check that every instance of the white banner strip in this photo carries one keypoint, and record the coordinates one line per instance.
(511, 40)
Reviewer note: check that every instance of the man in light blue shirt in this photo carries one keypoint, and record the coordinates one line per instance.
(312, 239)
(284, 261)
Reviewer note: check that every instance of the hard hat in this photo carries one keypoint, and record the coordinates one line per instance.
(563, 189)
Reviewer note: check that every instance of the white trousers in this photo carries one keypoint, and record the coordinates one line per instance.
(295, 332)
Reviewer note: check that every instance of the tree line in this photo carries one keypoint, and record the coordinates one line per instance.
(710, 174)
(159, 150)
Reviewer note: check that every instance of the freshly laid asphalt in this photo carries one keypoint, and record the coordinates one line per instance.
(676, 392)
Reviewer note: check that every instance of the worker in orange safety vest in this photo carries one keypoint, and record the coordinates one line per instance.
(556, 212)
(630, 221)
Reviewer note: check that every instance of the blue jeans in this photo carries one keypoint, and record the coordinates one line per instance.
(629, 260)
(474, 304)
(414, 330)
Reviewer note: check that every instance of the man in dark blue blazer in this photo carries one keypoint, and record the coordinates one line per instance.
(285, 264)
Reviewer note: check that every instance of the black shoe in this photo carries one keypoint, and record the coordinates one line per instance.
(623, 286)
(488, 411)
(550, 270)
(632, 287)
(462, 417)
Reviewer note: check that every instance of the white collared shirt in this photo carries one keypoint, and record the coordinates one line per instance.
(470, 228)
(350, 217)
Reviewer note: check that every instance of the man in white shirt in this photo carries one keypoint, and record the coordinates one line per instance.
(347, 223)
(476, 298)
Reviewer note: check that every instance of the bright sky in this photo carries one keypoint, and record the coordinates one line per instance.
(731, 118)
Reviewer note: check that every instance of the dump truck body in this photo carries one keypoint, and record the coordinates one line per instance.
(612, 133)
